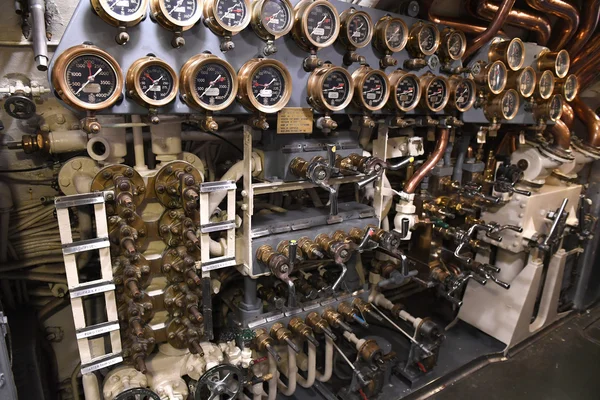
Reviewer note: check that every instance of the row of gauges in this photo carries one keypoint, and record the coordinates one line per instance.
(88, 78)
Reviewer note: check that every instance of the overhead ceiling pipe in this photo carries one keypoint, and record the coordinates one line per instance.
(443, 136)
(492, 30)
(587, 26)
(468, 27)
(590, 119)
(568, 22)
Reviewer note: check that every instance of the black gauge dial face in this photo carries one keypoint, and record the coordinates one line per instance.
(464, 94)
(436, 93)
(181, 10)
(358, 29)
(91, 79)
(407, 91)
(510, 104)
(321, 24)
(394, 34)
(231, 12)
(214, 84)
(555, 108)
(268, 86)
(455, 45)
(374, 89)
(546, 84)
(570, 87)
(515, 54)
(427, 37)
(335, 89)
(527, 82)
(124, 8)
(275, 15)
(562, 63)
(156, 82)
(497, 77)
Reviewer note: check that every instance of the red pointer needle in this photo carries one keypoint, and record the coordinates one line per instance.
(147, 75)
(89, 65)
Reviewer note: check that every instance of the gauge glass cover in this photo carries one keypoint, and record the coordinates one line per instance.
(335, 89)
(510, 104)
(436, 93)
(321, 23)
(358, 30)
(156, 82)
(394, 34)
(515, 54)
(91, 79)
(231, 12)
(123, 8)
(455, 45)
(213, 84)
(407, 91)
(570, 87)
(275, 16)
(268, 85)
(427, 36)
(181, 10)
(546, 85)
(497, 77)
(465, 91)
(562, 63)
(527, 82)
(555, 110)
(374, 90)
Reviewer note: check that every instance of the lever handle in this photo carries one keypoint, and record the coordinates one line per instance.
(522, 192)
(401, 164)
(292, 252)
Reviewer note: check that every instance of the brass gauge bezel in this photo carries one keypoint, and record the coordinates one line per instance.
(426, 81)
(217, 26)
(538, 93)
(262, 30)
(345, 37)
(132, 82)
(514, 81)
(248, 70)
(560, 86)
(59, 81)
(395, 78)
(161, 15)
(359, 77)
(445, 53)
(102, 9)
(187, 85)
(548, 60)
(300, 30)
(499, 51)
(483, 77)
(414, 46)
(315, 86)
(454, 81)
(542, 109)
(381, 43)
(494, 109)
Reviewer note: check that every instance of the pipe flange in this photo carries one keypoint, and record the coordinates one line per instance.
(555, 153)
(585, 148)
(105, 179)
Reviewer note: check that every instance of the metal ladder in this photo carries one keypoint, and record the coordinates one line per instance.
(78, 291)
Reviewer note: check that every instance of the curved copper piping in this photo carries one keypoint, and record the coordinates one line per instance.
(567, 24)
(539, 24)
(587, 62)
(467, 27)
(561, 134)
(434, 158)
(590, 119)
(568, 115)
(587, 26)
(492, 30)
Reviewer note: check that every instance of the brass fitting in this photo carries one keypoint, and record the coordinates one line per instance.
(283, 335)
(350, 314)
(319, 325)
(336, 320)
(310, 248)
(370, 352)
(342, 236)
(341, 252)
(297, 326)
(276, 262)
(284, 248)
(264, 342)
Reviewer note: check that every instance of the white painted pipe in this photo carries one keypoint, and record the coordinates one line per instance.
(312, 368)
(292, 373)
(91, 390)
(235, 173)
(326, 375)
(138, 144)
(274, 378)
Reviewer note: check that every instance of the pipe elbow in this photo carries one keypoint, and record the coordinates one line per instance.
(590, 119)
(561, 134)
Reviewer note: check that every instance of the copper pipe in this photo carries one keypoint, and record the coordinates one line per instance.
(539, 24)
(567, 23)
(434, 158)
(492, 30)
(590, 119)
(467, 27)
(568, 115)
(587, 26)
(561, 134)
(586, 63)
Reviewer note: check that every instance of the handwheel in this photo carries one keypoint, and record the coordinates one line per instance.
(137, 394)
(223, 382)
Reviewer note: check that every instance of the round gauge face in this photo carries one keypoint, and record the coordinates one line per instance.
(465, 93)
(407, 91)
(358, 30)
(181, 10)
(555, 110)
(275, 16)
(91, 79)
(510, 104)
(546, 85)
(515, 54)
(455, 45)
(374, 89)
(436, 93)
(335, 89)
(321, 23)
(427, 39)
(231, 12)
(124, 8)
(268, 86)
(570, 87)
(213, 84)
(563, 62)
(527, 82)
(497, 77)
(394, 34)
(156, 82)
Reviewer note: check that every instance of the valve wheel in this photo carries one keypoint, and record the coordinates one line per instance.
(137, 394)
(223, 382)
(19, 107)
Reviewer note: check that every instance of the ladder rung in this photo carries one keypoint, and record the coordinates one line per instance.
(85, 245)
(89, 288)
(218, 263)
(217, 226)
(78, 200)
(97, 330)
(101, 362)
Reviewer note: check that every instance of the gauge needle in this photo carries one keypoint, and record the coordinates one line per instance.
(272, 17)
(266, 85)
(90, 79)
(230, 9)
(374, 89)
(179, 3)
(211, 85)
(154, 82)
(318, 25)
(395, 34)
(340, 86)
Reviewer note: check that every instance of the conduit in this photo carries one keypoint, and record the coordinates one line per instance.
(291, 373)
(590, 119)
(587, 26)
(326, 375)
(434, 158)
(312, 367)
(492, 30)
(567, 24)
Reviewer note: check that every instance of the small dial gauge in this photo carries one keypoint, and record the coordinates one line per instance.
(330, 88)
(156, 82)
(359, 30)
(515, 54)
(510, 104)
(208, 82)
(423, 39)
(394, 34)
(231, 13)
(463, 93)
(557, 62)
(563, 63)
(371, 88)
(176, 14)
(120, 12)
(214, 84)
(391, 35)
(226, 17)
(435, 92)
(427, 39)
(454, 44)
(494, 76)
(317, 24)
(526, 80)
(555, 107)
(335, 89)
(276, 16)
(268, 86)
(321, 23)
(546, 85)
(265, 85)
(181, 10)
(124, 8)
(569, 87)
(151, 82)
(374, 90)
(407, 91)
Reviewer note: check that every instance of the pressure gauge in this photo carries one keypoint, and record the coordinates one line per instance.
(423, 39)
(226, 17)
(523, 81)
(151, 82)
(176, 15)
(330, 88)
(568, 87)
(435, 92)
(121, 13)
(357, 28)
(453, 45)
(493, 77)
(316, 24)
(371, 88)
(87, 78)
(545, 85)
(549, 109)
(265, 85)
(272, 19)
(391, 35)
(504, 106)
(511, 52)
(208, 82)
(558, 62)
(405, 91)
(462, 93)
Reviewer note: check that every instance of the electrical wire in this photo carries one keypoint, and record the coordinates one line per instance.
(47, 165)
(229, 142)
